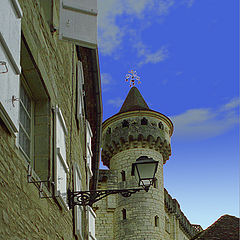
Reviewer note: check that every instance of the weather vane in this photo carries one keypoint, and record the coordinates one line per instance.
(132, 77)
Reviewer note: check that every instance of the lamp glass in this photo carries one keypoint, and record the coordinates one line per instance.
(146, 173)
(144, 170)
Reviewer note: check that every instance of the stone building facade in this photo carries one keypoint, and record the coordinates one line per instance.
(133, 132)
(50, 118)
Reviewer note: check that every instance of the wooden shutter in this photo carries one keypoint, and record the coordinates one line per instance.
(91, 223)
(78, 210)
(80, 82)
(10, 39)
(89, 148)
(78, 22)
(61, 166)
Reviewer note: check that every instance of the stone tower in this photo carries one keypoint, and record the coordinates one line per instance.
(133, 132)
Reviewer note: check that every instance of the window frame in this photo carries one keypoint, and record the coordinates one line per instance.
(30, 159)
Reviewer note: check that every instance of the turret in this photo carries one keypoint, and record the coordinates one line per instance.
(133, 132)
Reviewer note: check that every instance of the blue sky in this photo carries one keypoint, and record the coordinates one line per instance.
(186, 54)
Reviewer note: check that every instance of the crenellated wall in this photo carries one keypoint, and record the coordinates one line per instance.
(146, 129)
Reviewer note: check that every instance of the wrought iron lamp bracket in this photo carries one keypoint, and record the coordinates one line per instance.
(84, 198)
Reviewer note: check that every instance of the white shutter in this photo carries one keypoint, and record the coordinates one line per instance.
(78, 22)
(61, 166)
(78, 210)
(61, 131)
(89, 148)
(62, 170)
(10, 39)
(91, 223)
(80, 82)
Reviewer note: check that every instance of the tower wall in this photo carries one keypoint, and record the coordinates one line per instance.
(142, 207)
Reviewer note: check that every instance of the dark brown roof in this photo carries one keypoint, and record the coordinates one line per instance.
(225, 228)
(134, 101)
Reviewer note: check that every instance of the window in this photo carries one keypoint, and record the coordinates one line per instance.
(123, 175)
(124, 214)
(34, 117)
(156, 221)
(89, 150)
(61, 166)
(78, 210)
(25, 123)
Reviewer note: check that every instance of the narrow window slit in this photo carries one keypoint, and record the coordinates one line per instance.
(124, 214)
(156, 221)
(123, 176)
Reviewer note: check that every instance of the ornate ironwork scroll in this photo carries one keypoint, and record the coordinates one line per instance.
(84, 198)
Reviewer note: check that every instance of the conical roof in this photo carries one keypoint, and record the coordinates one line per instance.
(134, 101)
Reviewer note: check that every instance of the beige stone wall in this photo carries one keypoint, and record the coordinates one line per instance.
(182, 235)
(174, 231)
(23, 215)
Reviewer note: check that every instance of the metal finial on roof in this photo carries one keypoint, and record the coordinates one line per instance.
(132, 77)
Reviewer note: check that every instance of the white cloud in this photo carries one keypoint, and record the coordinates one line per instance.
(117, 102)
(147, 56)
(164, 82)
(106, 78)
(111, 33)
(235, 102)
(190, 3)
(107, 81)
(164, 6)
(205, 122)
(179, 73)
(159, 56)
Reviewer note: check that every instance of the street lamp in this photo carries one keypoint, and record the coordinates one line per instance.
(144, 169)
